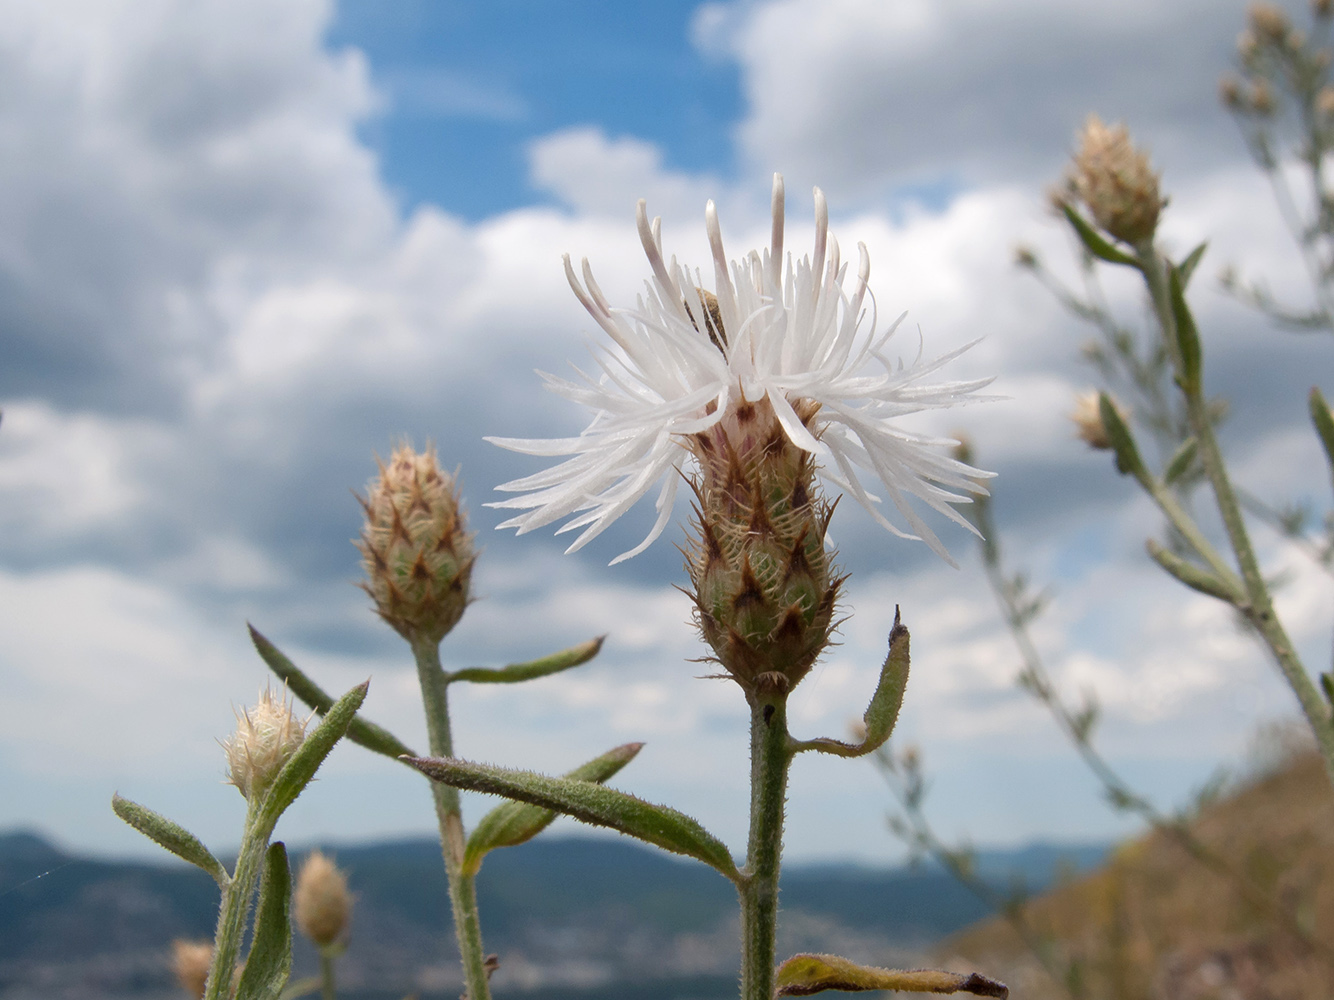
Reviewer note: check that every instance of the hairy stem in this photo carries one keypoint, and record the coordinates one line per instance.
(327, 991)
(462, 893)
(236, 905)
(770, 756)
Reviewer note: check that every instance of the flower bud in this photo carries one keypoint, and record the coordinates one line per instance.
(1322, 8)
(1263, 100)
(1324, 102)
(266, 737)
(1229, 92)
(321, 900)
(1115, 181)
(190, 961)
(1269, 22)
(415, 546)
(765, 585)
(1087, 417)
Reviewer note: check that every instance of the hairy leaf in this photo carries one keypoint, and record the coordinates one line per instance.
(802, 975)
(533, 669)
(175, 838)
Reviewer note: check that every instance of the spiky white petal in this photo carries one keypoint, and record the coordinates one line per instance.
(791, 333)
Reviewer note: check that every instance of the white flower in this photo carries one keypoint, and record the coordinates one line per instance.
(787, 334)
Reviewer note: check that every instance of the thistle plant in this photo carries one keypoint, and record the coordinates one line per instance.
(1184, 422)
(270, 759)
(418, 556)
(749, 393)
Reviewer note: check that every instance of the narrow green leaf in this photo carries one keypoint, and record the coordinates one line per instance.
(883, 711)
(270, 960)
(1182, 460)
(1096, 245)
(658, 825)
(1188, 336)
(1324, 425)
(517, 672)
(1128, 461)
(298, 770)
(512, 823)
(361, 731)
(1192, 260)
(802, 975)
(1327, 685)
(175, 838)
(1193, 576)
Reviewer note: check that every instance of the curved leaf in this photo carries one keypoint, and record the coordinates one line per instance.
(658, 825)
(174, 837)
(802, 975)
(512, 823)
(1094, 242)
(533, 669)
(270, 960)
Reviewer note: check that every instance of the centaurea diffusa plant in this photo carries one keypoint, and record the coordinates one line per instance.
(418, 556)
(747, 392)
(270, 759)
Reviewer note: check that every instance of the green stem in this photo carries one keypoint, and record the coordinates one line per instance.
(327, 991)
(236, 906)
(462, 892)
(1258, 606)
(770, 755)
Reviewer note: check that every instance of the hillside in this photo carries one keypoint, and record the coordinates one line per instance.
(1155, 923)
(591, 918)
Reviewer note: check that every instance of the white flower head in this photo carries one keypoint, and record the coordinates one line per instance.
(683, 359)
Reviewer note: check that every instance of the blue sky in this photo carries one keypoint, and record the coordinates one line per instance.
(469, 85)
(245, 247)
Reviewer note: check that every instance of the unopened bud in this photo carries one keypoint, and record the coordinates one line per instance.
(190, 961)
(1117, 184)
(1087, 417)
(1324, 102)
(1269, 21)
(1229, 92)
(266, 737)
(1025, 257)
(1263, 100)
(1322, 8)
(415, 547)
(1248, 46)
(322, 901)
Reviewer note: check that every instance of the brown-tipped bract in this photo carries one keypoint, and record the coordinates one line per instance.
(1116, 182)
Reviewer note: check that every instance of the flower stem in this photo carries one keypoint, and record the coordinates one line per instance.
(770, 756)
(462, 892)
(1258, 605)
(236, 905)
(327, 991)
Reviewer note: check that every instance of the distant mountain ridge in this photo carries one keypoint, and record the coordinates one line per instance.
(597, 917)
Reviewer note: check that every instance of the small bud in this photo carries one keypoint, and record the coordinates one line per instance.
(1025, 258)
(1229, 92)
(190, 961)
(1322, 8)
(1269, 22)
(963, 448)
(1263, 101)
(322, 901)
(415, 546)
(1248, 46)
(1324, 102)
(1115, 181)
(1087, 417)
(266, 737)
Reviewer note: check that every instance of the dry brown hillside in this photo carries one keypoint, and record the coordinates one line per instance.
(1158, 924)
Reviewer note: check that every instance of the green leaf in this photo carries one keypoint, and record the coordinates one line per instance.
(883, 711)
(1327, 685)
(1188, 265)
(175, 838)
(361, 732)
(512, 823)
(1128, 461)
(658, 825)
(1324, 425)
(802, 975)
(1188, 336)
(1182, 460)
(1094, 242)
(270, 960)
(533, 669)
(300, 988)
(1192, 575)
(303, 764)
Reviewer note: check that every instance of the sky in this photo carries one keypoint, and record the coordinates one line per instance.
(247, 247)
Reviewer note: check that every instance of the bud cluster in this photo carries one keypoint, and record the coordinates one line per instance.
(765, 584)
(1116, 182)
(266, 737)
(415, 546)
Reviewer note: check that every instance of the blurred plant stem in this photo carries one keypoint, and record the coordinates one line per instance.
(462, 886)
